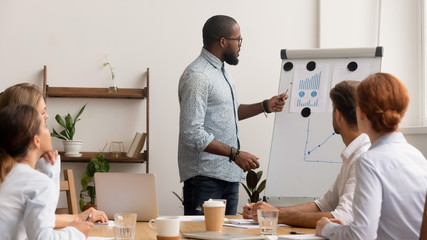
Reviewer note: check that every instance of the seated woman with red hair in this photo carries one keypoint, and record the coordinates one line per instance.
(391, 176)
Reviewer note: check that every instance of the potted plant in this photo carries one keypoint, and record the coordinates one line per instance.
(71, 147)
(96, 164)
(252, 188)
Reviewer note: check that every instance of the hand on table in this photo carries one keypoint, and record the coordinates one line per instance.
(97, 216)
(259, 205)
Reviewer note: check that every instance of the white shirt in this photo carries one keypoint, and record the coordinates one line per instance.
(339, 198)
(390, 193)
(52, 171)
(28, 201)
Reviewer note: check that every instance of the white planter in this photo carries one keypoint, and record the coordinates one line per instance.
(72, 148)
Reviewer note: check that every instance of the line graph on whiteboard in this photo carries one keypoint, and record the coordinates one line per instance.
(308, 152)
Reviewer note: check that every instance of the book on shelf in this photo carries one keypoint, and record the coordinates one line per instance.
(137, 145)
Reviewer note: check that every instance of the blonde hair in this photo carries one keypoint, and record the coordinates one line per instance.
(22, 93)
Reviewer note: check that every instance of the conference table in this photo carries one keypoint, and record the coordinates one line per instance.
(144, 232)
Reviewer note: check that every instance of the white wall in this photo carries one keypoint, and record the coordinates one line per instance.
(73, 38)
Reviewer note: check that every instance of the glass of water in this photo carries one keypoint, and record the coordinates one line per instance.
(267, 219)
(125, 225)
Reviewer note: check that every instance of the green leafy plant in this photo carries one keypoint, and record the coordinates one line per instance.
(178, 196)
(252, 188)
(96, 164)
(69, 125)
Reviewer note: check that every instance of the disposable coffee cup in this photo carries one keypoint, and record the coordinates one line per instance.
(214, 214)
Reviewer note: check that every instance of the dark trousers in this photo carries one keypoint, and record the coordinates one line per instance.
(199, 189)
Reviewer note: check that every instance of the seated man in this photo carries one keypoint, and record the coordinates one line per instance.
(337, 202)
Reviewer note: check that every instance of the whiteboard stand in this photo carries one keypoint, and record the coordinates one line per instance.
(305, 151)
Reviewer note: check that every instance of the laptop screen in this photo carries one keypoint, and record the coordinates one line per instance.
(127, 192)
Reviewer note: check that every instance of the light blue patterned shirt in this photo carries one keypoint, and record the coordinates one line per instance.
(208, 111)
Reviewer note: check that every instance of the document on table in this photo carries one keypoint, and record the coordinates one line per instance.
(299, 236)
(246, 223)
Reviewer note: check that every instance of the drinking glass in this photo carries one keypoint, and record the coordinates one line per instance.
(125, 226)
(267, 219)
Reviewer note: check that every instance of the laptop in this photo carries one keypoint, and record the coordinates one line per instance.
(221, 236)
(127, 192)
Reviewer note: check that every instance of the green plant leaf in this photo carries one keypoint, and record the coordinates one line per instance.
(59, 120)
(57, 135)
(80, 113)
(251, 179)
(68, 122)
(72, 132)
(91, 169)
(65, 134)
(105, 166)
(176, 194)
(255, 197)
(91, 191)
(247, 190)
(261, 186)
(85, 180)
(81, 204)
(258, 176)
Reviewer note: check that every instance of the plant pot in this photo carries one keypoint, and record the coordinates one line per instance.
(87, 206)
(72, 148)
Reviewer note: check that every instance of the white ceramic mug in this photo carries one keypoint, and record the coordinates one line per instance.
(165, 226)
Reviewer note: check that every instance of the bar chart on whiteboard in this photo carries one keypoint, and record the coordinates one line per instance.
(309, 88)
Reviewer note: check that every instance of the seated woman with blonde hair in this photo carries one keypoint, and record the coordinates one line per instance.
(391, 176)
(50, 163)
(28, 197)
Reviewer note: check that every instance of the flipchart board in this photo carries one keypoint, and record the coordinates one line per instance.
(305, 151)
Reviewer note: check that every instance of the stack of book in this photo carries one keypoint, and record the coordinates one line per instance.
(137, 145)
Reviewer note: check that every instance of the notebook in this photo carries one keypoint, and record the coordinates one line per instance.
(127, 192)
(221, 236)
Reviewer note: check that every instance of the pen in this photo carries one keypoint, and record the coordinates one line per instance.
(88, 217)
(278, 96)
(297, 233)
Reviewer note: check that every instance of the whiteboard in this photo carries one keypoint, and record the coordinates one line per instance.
(305, 151)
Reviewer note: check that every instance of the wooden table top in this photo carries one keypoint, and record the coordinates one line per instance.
(144, 232)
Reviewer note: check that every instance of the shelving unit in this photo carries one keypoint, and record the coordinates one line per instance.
(123, 93)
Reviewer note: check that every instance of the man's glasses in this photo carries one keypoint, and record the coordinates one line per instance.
(239, 38)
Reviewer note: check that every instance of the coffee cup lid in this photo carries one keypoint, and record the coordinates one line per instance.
(213, 203)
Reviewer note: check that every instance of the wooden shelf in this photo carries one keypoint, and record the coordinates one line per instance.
(86, 156)
(78, 92)
(122, 93)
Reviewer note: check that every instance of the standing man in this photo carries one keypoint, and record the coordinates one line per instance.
(338, 201)
(210, 162)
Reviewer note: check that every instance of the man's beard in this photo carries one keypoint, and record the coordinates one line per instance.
(231, 58)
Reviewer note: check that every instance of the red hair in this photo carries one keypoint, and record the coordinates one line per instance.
(384, 99)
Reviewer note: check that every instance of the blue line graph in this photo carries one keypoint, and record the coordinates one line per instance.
(308, 153)
(311, 83)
